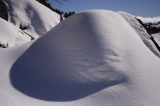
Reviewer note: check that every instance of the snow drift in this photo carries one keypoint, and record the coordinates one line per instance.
(29, 13)
(94, 58)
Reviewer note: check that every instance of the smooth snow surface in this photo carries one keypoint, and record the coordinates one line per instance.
(38, 18)
(11, 35)
(94, 58)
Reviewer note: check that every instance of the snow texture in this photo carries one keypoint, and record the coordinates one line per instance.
(94, 58)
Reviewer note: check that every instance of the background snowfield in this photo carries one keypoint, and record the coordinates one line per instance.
(93, 58)
(149, 20)
(32, 14)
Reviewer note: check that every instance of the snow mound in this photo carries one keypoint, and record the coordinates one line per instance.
(29, 13)
(10, 35)
(93, 58)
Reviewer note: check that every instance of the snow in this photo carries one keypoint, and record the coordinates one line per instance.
(32, 14)
(93, 58)
(149, 20)
(141, 31)
(157, 37)
(11, 35)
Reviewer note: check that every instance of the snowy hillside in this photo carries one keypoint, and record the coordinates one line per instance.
(37, 18)
(94, 58)
(11, 35)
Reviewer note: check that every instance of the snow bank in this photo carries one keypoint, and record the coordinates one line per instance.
(92, 58)
(11, 35)
(29, 13)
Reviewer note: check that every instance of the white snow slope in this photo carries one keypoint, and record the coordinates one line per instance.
(32, 14)
(11, 35)
(94, 58)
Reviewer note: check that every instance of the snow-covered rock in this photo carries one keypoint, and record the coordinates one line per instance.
(29, 13)
(94, 58)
